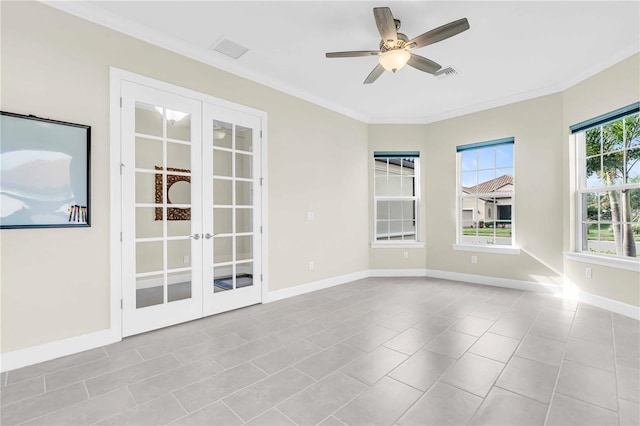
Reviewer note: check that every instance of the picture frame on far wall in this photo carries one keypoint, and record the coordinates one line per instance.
(44, 173)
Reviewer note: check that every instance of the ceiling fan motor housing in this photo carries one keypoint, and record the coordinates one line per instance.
(399, 44)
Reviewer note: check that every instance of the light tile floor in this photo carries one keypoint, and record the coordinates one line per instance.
(383, 351)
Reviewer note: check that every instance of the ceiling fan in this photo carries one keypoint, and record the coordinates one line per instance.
(395, 47)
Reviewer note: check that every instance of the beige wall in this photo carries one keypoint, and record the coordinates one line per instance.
(544, 167)
(56, 65)
(536, 127)
(399, 137)
(616, 87)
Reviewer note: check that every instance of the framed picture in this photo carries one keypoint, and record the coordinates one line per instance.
(44, 173)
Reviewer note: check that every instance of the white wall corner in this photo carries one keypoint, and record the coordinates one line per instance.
(48, 351)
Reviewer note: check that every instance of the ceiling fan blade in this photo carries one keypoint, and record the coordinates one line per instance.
(439, 34)
(352, 54)
(373, 75)
(423, 64)
(386, 25)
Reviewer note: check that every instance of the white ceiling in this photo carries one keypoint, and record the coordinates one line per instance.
(514, 50)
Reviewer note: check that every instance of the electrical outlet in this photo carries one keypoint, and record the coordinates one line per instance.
(405, 255)
(587, 272)
(185, 260)
(310, 216)
(311, 265)
(474, 259)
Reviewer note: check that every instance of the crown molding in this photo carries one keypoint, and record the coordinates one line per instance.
(87, 11)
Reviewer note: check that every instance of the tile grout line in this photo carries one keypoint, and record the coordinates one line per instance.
(179, 403)
(615, 365)
(505, 364)
(564, 352)
(281, 412)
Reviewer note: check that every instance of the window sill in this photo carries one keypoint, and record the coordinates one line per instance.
(487, 249)
(611, 262)
(396, 245)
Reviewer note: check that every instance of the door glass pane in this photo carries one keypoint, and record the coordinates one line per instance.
(222, 221)
(222, 278)
(178, 125)
(148, 256)
(179, 157)
(149, 291)
(244, 193)
(179, 285)
(222, 249)
(222, 134)
(244, 138)
(222, 194)
(244, 220)
(179, 253)
(244, 247)
(179, 227)
(146, 224)
(146, 188)
(221, 163)
(148, 119)
(148, 153)
(244, 275)
(243, 165)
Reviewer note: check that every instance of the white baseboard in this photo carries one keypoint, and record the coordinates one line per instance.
(48, 351)
(581, 296)
(610, 305)
(45, 352)
(397, 272)
(494, 281)
(297, 290)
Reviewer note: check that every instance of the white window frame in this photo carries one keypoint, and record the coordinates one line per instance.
(461, 196)
(578, 138)
(414, 243)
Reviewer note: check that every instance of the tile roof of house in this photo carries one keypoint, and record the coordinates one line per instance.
(493, 185)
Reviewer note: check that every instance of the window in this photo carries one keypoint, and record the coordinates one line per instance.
(396, 189)
(608, 186)
(486, 193)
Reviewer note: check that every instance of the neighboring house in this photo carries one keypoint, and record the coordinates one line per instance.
(488, 209)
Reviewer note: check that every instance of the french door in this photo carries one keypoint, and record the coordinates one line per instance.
(190, 206)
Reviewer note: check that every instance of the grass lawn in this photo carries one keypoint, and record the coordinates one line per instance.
(488, 232)
(606, 233)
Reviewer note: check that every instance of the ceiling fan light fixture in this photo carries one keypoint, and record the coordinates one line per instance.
(393, 60)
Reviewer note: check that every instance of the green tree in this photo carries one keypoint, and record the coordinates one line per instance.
(612, 152)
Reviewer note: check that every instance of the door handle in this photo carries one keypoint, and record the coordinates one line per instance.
(195, 236)
(208, 236)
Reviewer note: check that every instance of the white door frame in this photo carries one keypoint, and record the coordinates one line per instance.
(117, 76)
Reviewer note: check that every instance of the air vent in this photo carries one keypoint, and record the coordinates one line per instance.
(446, 73)
(229, 48)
